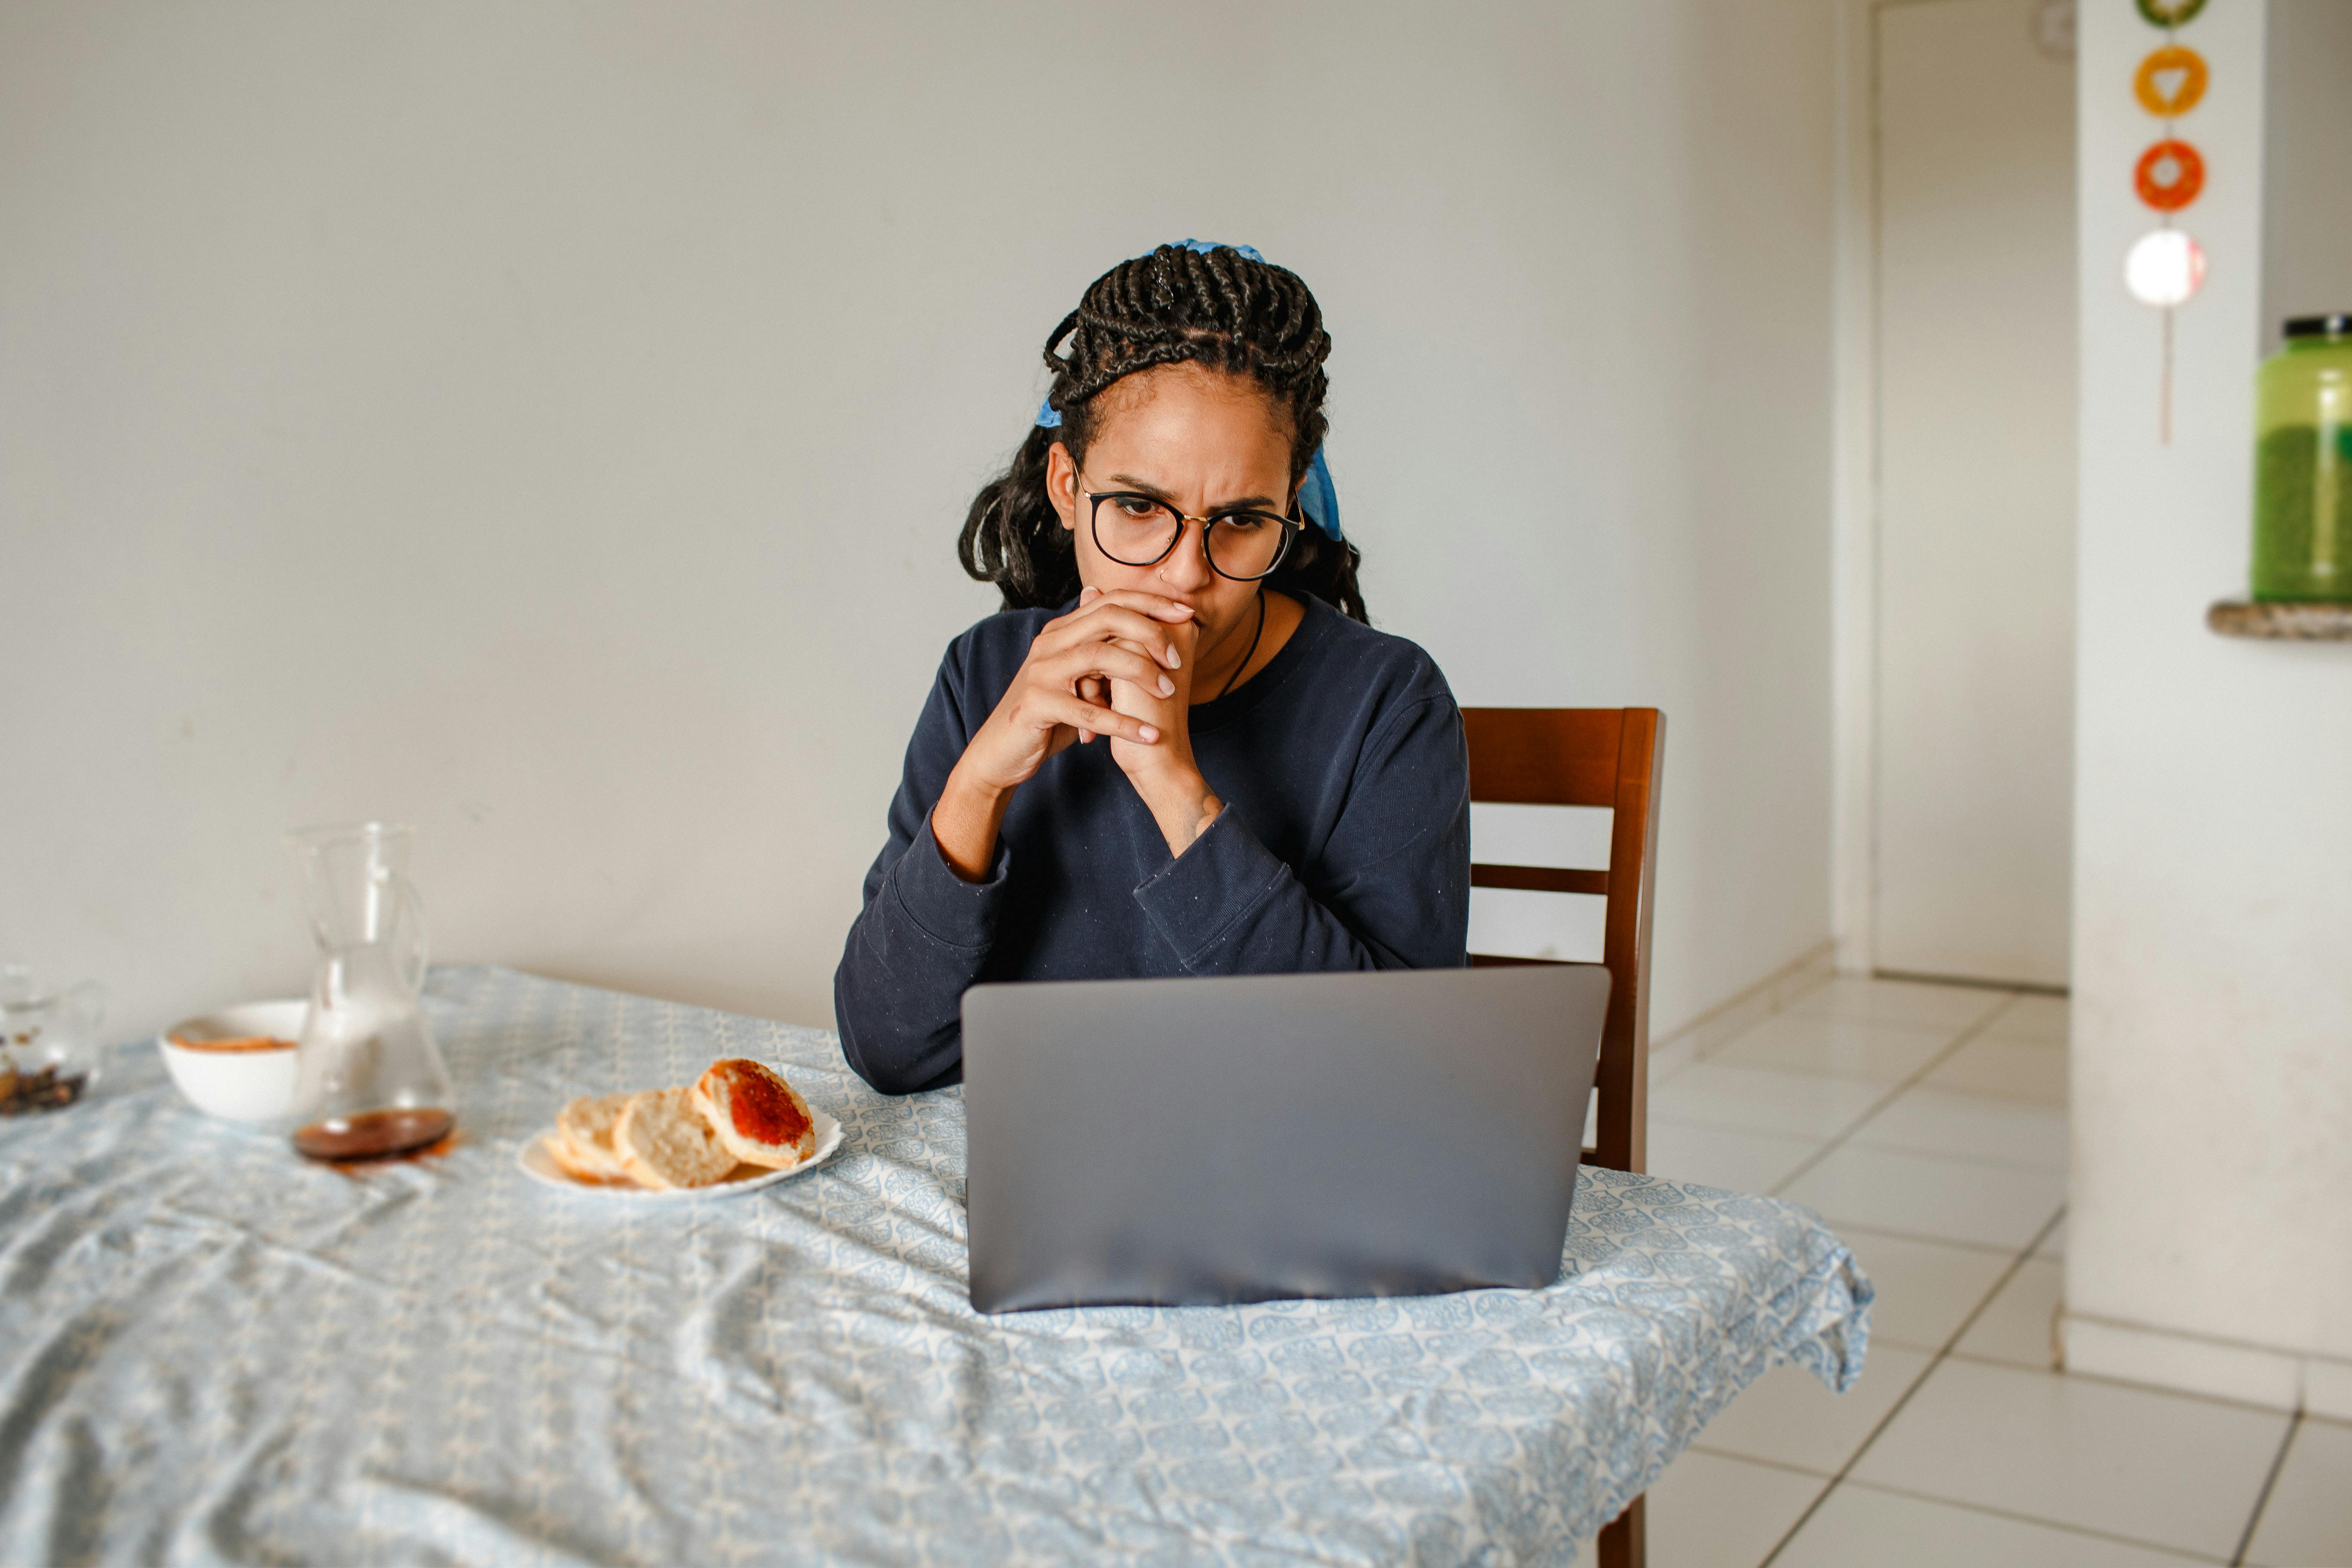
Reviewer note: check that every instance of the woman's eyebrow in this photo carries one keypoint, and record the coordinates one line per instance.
(1144, 486)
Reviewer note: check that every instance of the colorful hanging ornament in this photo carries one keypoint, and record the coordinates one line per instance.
(2169, 175)
(2166, 267)
(2170, 81)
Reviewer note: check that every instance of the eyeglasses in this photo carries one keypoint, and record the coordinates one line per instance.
(1138, 529)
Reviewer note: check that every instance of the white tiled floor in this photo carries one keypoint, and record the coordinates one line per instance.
(2126, 1462)
(2308, 1518)
(1925, 1288)
(1730, 1157)
(1712, 1093)
(1787, 1417)
(2042, 1019)
(1837, 1048)
(1970, 1126)
(2024, 1070)
(1712, 1512)
(2019, 1325)
(1932, 1197)
(1862, 1524)
(1902, 1002)
(1927, 1124)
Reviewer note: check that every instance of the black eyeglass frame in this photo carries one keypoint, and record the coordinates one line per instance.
(1292, 527)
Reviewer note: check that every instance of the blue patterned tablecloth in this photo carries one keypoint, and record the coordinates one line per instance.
(215, 1352)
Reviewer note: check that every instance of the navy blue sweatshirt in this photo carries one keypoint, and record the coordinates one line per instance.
(1344, 844)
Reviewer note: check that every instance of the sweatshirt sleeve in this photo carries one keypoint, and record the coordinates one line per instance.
(924, 931)
(1392, 884)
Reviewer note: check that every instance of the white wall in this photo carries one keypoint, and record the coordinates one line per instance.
(2306, 219)
(2210, 1244)
(550, 424)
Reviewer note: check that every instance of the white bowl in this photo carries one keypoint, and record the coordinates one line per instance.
(254, 1085)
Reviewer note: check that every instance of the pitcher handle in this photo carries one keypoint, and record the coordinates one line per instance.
(413, 953)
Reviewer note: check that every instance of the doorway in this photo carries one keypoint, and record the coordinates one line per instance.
(1973, 437)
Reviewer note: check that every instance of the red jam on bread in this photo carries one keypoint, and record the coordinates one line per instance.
(763, 1109)
(758, 1115)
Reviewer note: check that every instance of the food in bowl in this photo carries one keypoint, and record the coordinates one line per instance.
(238, 1064)
(248, 1043)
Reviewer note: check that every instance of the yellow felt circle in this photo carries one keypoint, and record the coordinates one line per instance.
(2170, 80)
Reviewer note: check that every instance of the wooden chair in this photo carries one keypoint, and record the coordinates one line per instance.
(1590, 756)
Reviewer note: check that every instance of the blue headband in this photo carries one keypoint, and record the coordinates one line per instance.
(1319, 498)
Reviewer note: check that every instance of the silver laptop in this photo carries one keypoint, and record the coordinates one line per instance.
(1189, 1142)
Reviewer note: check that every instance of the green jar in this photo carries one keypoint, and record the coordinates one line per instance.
(2303, 464)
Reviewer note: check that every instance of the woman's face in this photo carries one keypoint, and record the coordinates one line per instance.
(1200, 439)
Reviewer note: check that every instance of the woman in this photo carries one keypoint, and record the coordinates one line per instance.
(1179, 749)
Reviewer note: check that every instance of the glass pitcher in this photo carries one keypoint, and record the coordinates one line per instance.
(368, 1081)
(49, 1041)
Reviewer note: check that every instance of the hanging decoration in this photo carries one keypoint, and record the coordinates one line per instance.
(2170, 81)
(2165, 266)
(2164, 269)
(2169, 175)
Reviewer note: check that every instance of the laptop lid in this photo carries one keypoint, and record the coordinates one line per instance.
(1204, 1140)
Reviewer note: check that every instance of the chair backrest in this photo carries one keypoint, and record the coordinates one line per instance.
(1589, 756)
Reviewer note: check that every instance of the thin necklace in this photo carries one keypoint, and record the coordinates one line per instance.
(1260, 632)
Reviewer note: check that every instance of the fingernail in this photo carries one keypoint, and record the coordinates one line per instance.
(1167, 687)
(1150, 734)
(1175, 659)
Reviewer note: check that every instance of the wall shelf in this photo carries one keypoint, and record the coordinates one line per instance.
(2290, 622)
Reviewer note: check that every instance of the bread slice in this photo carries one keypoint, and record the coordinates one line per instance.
(663, 1142)
(759, 1118)
(568, 1160)
(583, 1144)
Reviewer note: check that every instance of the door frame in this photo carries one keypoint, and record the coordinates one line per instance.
(1853, 490)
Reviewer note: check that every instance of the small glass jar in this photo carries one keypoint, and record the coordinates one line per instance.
(2303, 464)
(49, 1050)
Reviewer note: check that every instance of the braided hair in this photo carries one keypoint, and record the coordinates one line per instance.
(1217, 308)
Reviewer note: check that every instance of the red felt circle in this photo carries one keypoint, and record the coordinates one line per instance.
(2188, 178)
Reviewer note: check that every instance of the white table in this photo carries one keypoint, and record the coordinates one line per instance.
(215, 1352)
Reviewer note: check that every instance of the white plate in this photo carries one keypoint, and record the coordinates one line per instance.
(540, 1166)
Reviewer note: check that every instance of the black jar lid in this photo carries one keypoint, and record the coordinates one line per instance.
(2336, 326)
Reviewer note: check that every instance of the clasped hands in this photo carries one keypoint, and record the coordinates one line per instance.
(1119, 668)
